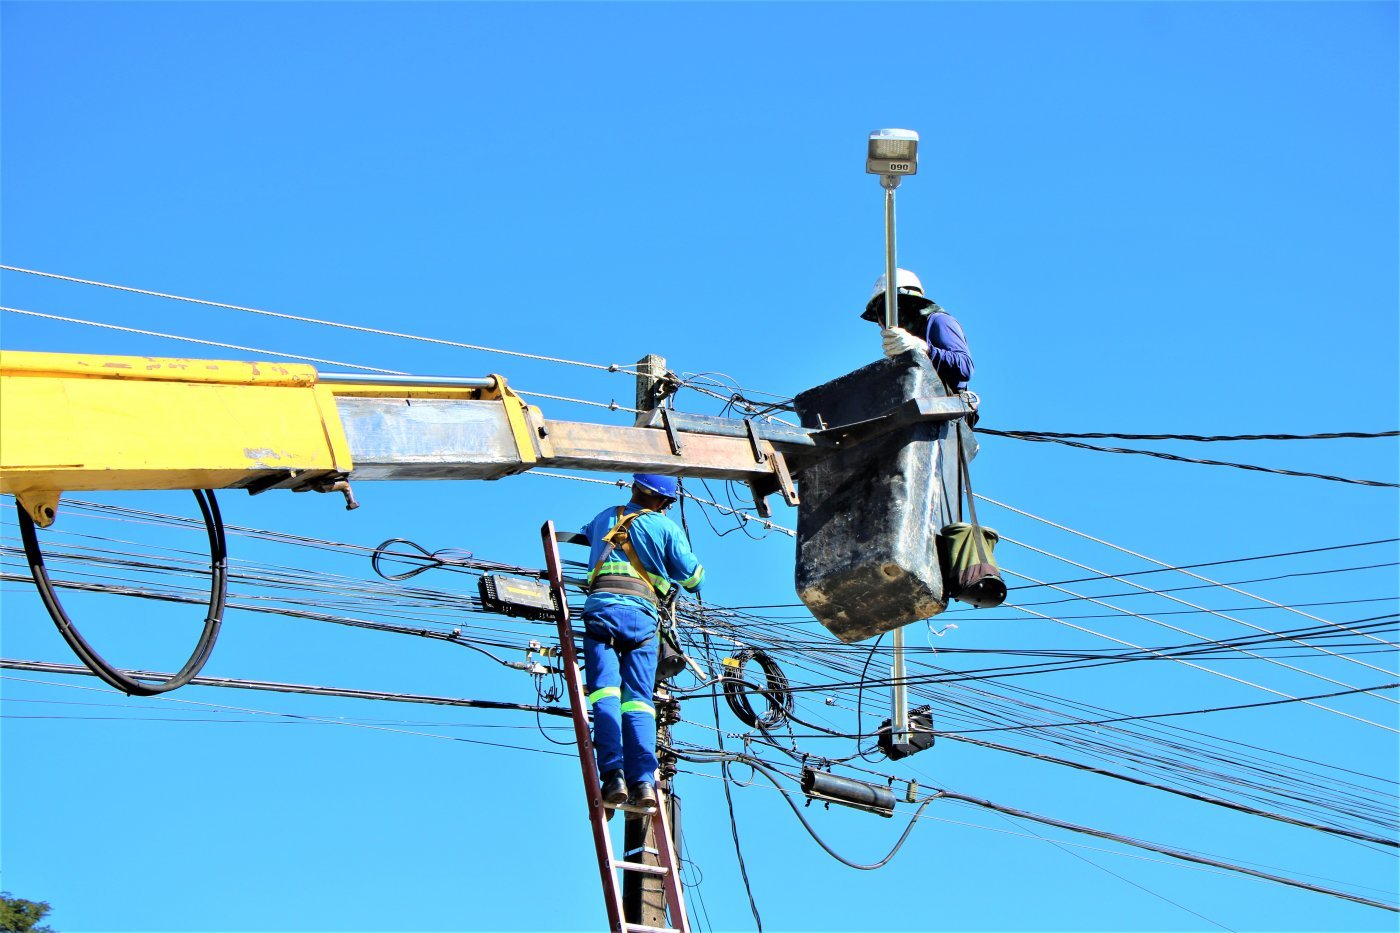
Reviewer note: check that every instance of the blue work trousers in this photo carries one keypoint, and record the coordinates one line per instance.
(619, 649)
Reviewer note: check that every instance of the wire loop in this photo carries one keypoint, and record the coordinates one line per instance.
(218, 593)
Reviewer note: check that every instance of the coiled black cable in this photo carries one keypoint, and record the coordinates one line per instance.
(218, 592)
(777, 694)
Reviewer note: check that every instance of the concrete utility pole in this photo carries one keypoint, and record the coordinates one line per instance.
(651, 370)
(644, 895)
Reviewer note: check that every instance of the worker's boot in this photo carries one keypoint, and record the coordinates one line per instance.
(614, 788)
(643, 795)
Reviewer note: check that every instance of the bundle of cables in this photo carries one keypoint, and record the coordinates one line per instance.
(776, 691)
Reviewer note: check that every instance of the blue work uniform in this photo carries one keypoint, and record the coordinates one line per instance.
(947, 347)
(619, 644)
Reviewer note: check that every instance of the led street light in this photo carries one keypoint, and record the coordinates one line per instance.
(893, 152)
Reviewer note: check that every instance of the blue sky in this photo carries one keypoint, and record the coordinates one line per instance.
(1149, 217)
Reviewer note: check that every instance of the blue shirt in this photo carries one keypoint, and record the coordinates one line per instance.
(661, 547)
(947, 347)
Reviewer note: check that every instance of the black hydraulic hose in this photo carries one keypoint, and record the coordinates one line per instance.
(218, 592)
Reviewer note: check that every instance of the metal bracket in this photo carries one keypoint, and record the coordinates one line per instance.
(40, 504)
(785, 484)
(760, 502)
(671, 435)
(779, 481)
(754, 441)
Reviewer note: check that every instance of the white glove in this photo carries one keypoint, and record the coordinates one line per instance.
(898, 340)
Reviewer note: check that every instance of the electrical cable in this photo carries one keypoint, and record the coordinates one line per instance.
(1202, 798)
(1206, 586)
(1164, 565)
(1084, 858)
(763, 769)
(825, 650)
(271, 686)
(729, 800)
(218, 591)
(1195, 437)
(1187, 712)
(611, 367)
(1166, 850)
(1194, 606)
(1166, 568)
(776, 691)
(1179, 459)
(1201, 668)
(612, 406)
(431, 559)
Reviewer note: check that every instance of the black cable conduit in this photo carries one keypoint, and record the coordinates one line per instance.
(218, 592)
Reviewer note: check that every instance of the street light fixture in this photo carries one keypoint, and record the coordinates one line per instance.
(892, 154)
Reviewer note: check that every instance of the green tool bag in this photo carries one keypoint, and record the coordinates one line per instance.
(966, 551)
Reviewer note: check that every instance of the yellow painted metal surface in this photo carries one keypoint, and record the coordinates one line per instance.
(72, 422)
(220, 372)
(517, 413)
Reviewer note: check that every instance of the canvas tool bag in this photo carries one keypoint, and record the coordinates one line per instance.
(965, 551)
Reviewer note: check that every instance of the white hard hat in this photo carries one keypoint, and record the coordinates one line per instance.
(903, 280)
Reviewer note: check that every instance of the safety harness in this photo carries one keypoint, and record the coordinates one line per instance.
(620, 538)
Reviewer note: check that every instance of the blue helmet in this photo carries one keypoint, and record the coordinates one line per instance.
(655, 483)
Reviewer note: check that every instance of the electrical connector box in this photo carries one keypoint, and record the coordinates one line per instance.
(520, 597)
(920, 734)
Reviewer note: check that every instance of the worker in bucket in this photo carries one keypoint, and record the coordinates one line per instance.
(637, 555)
(924, 326)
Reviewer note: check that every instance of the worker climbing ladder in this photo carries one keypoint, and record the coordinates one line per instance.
(609, 865)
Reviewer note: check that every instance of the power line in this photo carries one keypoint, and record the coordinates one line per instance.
(1203, 798)
(611, 406)
(1084, 858)
(318, 719)
(611, 367)
(767, 769)
(1164, 850)
(50, 667)
(1185, 712)
(1166, 566)
(746, 635)
(1191, 605)
(1179, 459)
(1196, 666)
(1194, 437)
(207, 343)
(1206, 586)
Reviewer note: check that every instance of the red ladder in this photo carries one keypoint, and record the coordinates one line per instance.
(608, 864)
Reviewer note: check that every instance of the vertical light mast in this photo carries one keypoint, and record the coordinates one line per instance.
(892, 154)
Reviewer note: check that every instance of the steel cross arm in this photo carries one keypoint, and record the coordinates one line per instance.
(807, 445)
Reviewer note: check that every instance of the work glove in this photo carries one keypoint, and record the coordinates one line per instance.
(898, 340)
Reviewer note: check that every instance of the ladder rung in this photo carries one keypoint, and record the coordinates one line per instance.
(630, 808)
(642, 867)
(642, 928)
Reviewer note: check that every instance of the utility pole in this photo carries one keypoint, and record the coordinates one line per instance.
(652, 385)
(644, 895)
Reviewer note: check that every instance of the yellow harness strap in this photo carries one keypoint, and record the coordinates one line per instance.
(619, 537)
